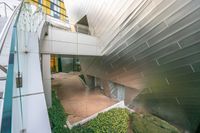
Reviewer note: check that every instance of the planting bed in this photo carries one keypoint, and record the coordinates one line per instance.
(116, 120)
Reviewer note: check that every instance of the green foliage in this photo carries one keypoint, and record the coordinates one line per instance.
(81, 129)
(57, 115)
(82, 77)
(113, 121)
(146, 123)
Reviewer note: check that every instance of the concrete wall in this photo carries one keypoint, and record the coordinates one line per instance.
(46, 78)
(61, 41)
(158, 53)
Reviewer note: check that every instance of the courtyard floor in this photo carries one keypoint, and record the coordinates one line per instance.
(78, 101)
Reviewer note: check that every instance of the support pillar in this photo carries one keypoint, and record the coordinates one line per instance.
(46, 76)
(59, 64)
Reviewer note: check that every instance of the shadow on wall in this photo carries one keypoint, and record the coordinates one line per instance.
(163, 110)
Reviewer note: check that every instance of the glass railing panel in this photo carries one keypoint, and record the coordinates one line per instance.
(28, 19)
(6, 124)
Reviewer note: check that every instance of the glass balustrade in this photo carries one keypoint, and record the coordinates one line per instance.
(28, 18)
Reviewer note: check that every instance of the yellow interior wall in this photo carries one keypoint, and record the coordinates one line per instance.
(47, 5)
(54, 63)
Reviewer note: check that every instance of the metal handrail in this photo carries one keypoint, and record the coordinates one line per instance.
(3, 69)
(2, 78)
(6, 28)
(6, 5)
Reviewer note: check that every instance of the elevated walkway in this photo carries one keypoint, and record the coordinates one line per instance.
(61, 41)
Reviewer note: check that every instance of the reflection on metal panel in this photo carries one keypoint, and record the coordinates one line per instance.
(159, 54)
(117, 91)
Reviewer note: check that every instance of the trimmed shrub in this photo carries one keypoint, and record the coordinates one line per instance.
(81, 129)
(57, 116)
(112, 121)
(146, 123)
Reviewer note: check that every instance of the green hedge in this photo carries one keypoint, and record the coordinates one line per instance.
(57, 116)
(82, 77)
(112, 121)
(146, 123)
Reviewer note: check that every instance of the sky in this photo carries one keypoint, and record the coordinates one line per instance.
(11, 3)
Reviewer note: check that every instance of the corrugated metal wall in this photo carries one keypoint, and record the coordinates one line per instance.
(158, 51)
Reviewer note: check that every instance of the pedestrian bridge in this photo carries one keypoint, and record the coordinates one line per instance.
(62, 41)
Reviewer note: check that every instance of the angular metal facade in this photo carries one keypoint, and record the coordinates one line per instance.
(158, 53)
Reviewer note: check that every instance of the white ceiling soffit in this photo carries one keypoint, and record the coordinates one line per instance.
(106, 17)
